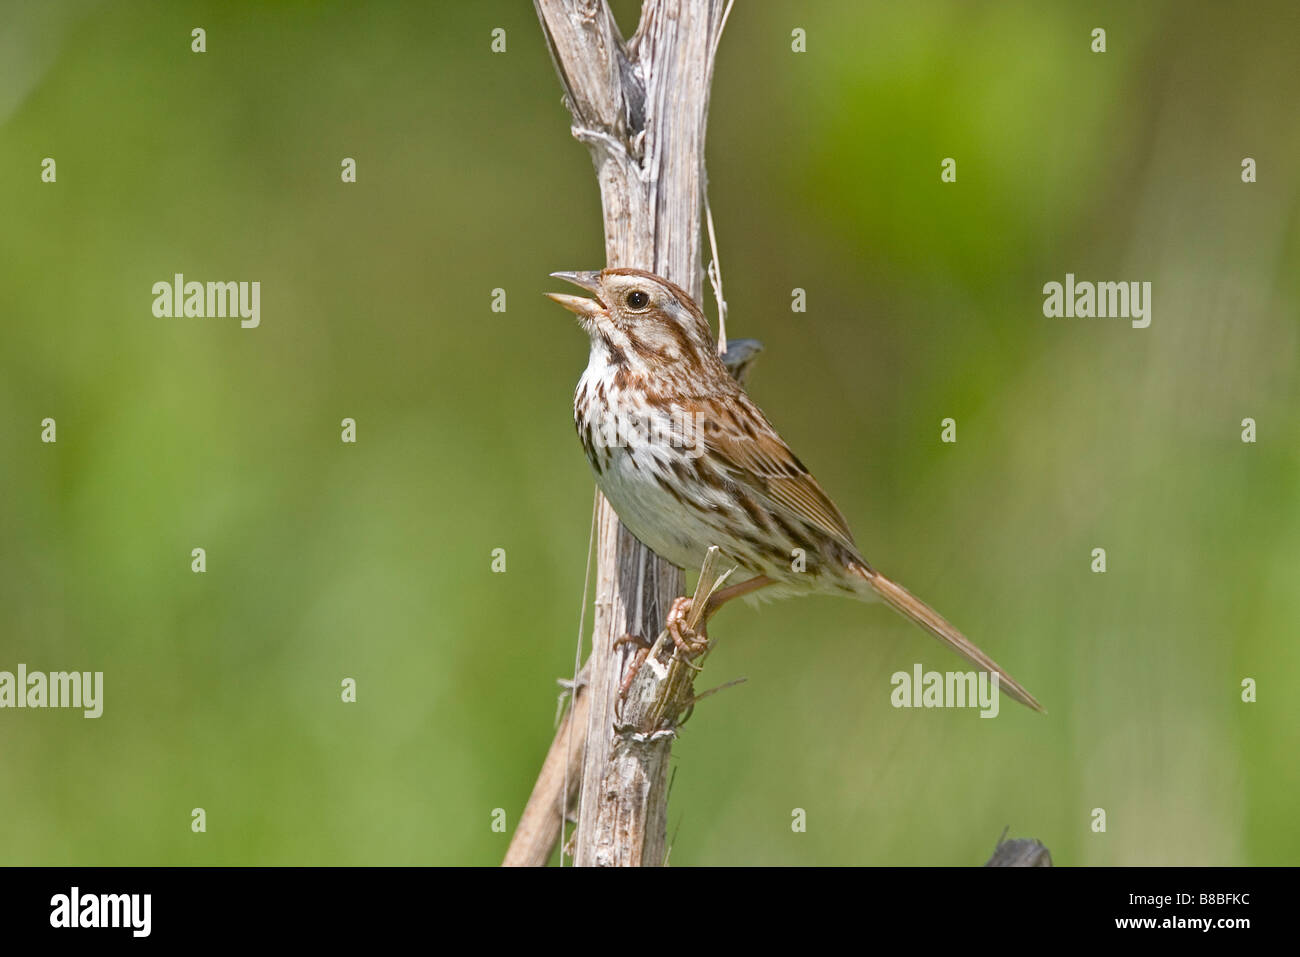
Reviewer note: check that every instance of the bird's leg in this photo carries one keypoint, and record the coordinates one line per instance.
(642, 652)
(691, 642)
(688, 641)
(724, 595)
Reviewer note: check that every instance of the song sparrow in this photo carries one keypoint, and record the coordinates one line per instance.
(687, 461)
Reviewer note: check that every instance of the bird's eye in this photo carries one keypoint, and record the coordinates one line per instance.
(636, 299)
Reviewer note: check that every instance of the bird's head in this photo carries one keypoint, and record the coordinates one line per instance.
(638, 318)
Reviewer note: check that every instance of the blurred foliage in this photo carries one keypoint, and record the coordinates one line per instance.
(372, 561)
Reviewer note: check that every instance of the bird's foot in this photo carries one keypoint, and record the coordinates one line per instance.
(642, 652)
(688, 641)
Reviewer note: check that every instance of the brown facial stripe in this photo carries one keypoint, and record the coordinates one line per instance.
(685, 346)
(617, 357)
(642, 348)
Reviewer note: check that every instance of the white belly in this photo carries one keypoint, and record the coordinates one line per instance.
(633, 466)
(651, 512)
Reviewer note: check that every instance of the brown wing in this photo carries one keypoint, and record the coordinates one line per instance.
(754, 455)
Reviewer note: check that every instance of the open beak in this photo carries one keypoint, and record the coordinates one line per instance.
(586, 308)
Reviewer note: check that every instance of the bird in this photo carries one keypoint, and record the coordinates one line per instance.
(687, 460)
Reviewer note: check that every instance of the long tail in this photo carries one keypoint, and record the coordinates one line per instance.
(909, 606)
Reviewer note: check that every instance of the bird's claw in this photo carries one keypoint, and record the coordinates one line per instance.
(642, 652)
(689, 642)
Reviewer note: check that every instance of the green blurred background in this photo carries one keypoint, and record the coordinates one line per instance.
(372, 560)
